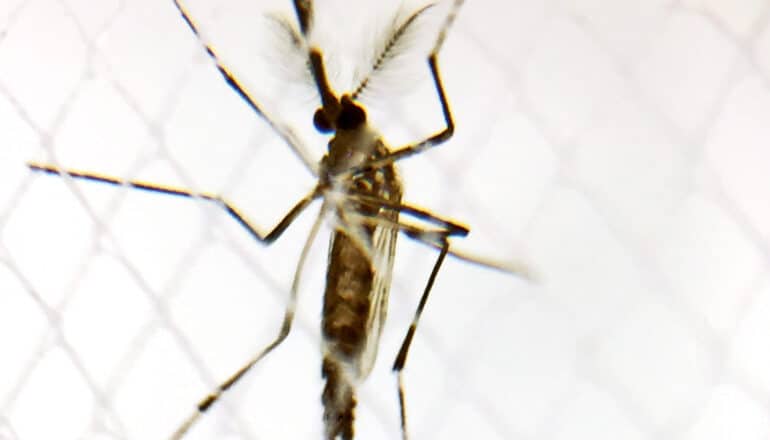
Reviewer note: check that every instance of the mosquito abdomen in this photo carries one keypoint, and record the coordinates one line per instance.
(347, 304)
(357, 284)
(338, 399)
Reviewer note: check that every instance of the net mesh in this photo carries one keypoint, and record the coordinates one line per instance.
(617, 147)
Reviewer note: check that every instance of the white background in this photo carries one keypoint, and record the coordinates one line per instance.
(618, 147)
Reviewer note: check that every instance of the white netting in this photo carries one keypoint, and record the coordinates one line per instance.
(622, 144)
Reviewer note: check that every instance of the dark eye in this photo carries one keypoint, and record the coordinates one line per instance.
(351, 116)
(321, 123)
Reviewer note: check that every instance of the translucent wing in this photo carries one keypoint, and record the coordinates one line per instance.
(383, 253)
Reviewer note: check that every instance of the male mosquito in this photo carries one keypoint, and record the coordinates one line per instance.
(361, 192)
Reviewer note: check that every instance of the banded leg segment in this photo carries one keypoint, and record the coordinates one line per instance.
(232, 210)
(400, 362)
(288, 319)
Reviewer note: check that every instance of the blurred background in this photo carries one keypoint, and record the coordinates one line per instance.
(618, 148)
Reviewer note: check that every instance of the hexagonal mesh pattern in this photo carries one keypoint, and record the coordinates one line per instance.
(620, 148)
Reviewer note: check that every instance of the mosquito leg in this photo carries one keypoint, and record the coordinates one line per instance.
(288, 318)
(266, 238)
(400, 362)
(452, 228)
(283, 131)
(446, 228)
(437, 138)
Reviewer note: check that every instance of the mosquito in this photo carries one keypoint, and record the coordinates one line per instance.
(360, 189)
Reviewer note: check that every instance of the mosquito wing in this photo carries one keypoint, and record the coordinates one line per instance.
(383, 255)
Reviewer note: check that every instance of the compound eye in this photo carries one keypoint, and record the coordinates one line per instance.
(351, 116)
(321, 122)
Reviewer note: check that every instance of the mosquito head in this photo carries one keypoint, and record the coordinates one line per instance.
(348, 115)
